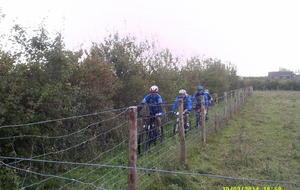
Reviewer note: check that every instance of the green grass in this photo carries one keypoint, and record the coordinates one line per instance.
(262, 141)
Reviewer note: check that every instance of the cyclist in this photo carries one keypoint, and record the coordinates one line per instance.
(208, 99)
(187, 105)
(154, 102)
(197, 97)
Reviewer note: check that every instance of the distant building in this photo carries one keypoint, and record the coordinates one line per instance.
(281, 75)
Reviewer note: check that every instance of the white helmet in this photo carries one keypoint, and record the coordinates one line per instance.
(154, 88)
(182, 91)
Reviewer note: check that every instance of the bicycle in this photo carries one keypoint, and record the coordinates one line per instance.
(187, 122)
(149, 134)
(198, 115)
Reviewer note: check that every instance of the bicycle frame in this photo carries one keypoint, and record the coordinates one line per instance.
(148, 134)
(187, 122)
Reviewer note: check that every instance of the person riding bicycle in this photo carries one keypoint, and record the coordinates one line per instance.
(208, 99)
(197, 97)
(187, 105)
(154, 102)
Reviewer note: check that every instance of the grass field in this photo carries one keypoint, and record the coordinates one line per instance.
(262, 141)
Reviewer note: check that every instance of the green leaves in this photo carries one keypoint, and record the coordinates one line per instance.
(42, 80)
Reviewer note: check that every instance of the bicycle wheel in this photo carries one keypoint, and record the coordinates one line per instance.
(161, 133)
(140, 139)
(175, 128)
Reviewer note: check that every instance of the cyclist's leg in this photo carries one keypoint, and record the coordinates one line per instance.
(158, 124)
(185, 121)
(206, 115)
(175, 126)
(152, 130)
(188, 121)
(160, 133)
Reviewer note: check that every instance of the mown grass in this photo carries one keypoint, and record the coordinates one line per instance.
(161, 156)
(262, 141)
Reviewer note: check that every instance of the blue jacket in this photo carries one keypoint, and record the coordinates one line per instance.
(187, 103)
(153, 103)
(207, 99)
(197, 97)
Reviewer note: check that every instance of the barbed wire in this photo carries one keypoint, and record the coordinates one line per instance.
(153, 158)
(154, 170)
(97, 157)
(102, 177)
(114, 177)
(115, 157)
(49, 175)
(166, 154)
(60, 119)
(85, 115)
(30, 163)
(76, 145)
(119, 181)
(67, 135)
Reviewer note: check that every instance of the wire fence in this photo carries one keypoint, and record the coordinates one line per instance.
(94, 151)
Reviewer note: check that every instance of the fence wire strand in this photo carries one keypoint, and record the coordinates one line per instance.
(49, 175)
(60, 119)
(114, 173)
(76, 145)
(67, 135)
(151, 170)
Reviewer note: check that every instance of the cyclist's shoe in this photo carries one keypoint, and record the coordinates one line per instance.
(159, 134)
(173, 114)
(189, 126)
(198, 126)
(160, 114)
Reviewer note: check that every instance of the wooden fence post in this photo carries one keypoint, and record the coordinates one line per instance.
(132, 154)
(235, 101)
(243, 96)
(182, 134)
(203, 134)
(225, 107)
(216, 111)
(230, 105)
(239, 100)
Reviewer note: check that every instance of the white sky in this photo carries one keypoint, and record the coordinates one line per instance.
(256, 35)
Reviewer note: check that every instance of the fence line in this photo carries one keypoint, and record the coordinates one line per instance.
(97, 157)
(227, 105)
(150, 170)
(76, 145)
(48, 175)
(61, 119)
(67, 135)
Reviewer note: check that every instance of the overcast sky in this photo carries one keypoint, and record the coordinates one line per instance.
(256, 35)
